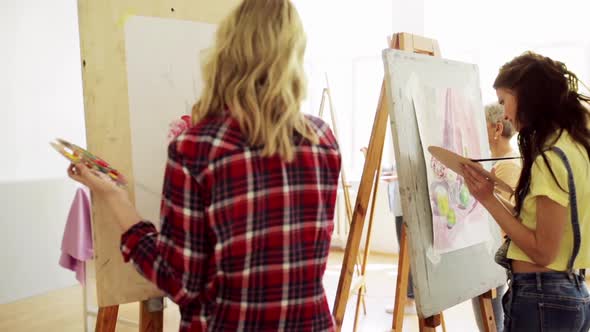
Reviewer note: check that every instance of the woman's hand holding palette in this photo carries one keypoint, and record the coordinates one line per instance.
(454, 162)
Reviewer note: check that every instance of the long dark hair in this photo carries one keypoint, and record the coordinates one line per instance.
(547, 102)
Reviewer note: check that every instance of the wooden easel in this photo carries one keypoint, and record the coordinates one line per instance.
(110, 317)
(150, 319)
(369, 182)
(326, 94)
(107, 117)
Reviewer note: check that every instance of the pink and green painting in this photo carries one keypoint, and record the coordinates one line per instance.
(449, 119)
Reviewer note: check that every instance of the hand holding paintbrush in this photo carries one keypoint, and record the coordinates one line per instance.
(457, 164)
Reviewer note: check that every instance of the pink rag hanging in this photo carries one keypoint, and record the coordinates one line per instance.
(76, 245)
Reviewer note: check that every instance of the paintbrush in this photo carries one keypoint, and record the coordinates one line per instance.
(494, 159)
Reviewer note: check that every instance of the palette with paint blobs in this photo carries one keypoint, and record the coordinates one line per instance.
(76, 154)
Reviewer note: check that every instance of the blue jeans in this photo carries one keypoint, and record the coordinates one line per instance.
(546, 302)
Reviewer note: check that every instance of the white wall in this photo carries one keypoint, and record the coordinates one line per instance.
(494, 32)
(40, 99)
(408, 16)
(345, 40)
(32, 222)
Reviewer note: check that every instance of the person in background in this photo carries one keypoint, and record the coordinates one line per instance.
(500, 132)
(249, 189)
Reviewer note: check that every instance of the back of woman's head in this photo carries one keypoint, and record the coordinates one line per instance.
(495, 114)
(547, 102)
(256, 71)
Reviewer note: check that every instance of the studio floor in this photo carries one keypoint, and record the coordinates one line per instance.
(61, 310)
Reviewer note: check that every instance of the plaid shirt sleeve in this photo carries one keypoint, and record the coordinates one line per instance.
(168, 258)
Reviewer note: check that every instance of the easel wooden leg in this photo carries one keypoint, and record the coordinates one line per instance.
(403, 268)
(360, 296)
(151, 315)
(429, 324)
(370, 175)
(106, 321)
(487, 311)
(345, 186)
(363, 288)
(426, 324)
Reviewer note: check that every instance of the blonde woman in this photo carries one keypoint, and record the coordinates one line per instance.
(249, 189)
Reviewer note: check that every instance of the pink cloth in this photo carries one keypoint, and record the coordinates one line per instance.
(76, 245)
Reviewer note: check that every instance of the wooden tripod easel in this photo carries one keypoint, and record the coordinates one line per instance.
(326, 94)
(369, 182)
(359, 266)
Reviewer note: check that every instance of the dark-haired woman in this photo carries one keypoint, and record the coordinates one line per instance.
(549, 237)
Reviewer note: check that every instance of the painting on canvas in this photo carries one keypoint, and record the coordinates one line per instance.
(450, 118)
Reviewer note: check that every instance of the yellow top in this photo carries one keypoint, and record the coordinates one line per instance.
(543, 184)
(509, 172)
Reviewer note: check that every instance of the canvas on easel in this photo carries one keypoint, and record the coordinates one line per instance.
(368, 187)
(421, 236)
(110, 38)
(443, 278)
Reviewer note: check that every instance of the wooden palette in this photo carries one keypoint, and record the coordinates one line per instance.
(76, 154)
(508, 205)
(454, 162)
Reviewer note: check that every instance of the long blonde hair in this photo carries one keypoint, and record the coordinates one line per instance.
(256, 71)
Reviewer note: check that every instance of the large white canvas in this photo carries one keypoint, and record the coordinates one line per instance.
(442, 279)
(164, 81)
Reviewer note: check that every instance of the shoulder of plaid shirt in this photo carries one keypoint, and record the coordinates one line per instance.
(244, 238)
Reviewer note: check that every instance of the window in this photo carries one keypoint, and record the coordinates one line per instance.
(492, 33)
(345, 40)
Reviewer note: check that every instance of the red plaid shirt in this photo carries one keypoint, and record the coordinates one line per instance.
(244, 239)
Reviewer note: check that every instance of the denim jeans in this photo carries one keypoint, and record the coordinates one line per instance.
(546, 302)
